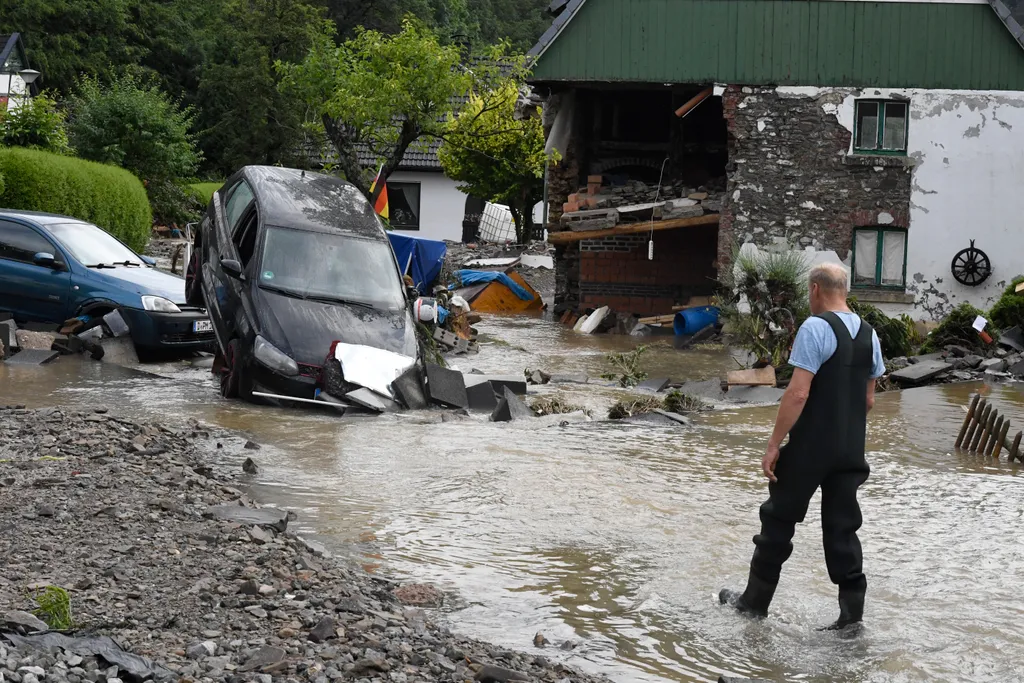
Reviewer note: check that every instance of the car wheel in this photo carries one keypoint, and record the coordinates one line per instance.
(233, 382)
(194, 280)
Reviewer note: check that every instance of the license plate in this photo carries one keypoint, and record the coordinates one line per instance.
(202, 326)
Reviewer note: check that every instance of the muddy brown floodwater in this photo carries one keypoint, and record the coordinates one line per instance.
(617, 538)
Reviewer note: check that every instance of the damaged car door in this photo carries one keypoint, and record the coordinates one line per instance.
(233, 243)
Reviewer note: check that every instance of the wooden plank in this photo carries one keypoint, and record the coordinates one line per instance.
(762, 377)
(967, 420)
(975, 421)
(1001, 440)
(1020, 287)
(658, 319)
(1015, 448)
(567, 237)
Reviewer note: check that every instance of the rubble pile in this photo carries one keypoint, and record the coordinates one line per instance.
(99, 337)
(160, 550)
(602, 207)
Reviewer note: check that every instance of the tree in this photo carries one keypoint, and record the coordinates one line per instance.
(498, 154)
(383, 93)
(135, 125)
(36, 123)
(244, 116)
(67, 38)
(520, 22)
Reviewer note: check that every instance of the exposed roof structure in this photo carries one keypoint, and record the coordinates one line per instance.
(13, 57)
(1011, 13)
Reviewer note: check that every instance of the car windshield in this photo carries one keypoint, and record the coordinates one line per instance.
(330, 267)
(92, 246)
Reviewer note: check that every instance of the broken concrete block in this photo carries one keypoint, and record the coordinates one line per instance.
(116, 324)
(1017, 369)
(372, 400)
(40, 341)
(699, 196)
(919, 373)
(712, 205)
(641, 330)
(710, 389)
(446, 387)
(598, 214)
(409, 389)
(511, 408)
(443, 336)
(654, 385)
(32, 357)
(682, 208)
(461, 346)
(1013, 338)
(268, 517)
(924, 358)
(517, 385)
(674, 417)
(482, 397)
(761, 377)
(993, 364)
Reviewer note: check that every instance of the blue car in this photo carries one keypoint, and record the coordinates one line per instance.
(53, 268)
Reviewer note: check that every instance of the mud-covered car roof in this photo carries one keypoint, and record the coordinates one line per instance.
(312, 201)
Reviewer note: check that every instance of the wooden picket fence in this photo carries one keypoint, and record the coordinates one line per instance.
(985, 431)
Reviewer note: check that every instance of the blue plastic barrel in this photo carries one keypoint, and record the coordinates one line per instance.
(693, 320)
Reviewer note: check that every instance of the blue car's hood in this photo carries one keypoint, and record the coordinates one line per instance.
(144, 280)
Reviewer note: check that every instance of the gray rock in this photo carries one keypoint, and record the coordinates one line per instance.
(481, 396)
(972, 360)
(207, 648)
(270, 517)
(654, 385)
(497, 674)
(569, 379)
(29, 678)
(260, 536)
(37, 670)
(323, 631)
(216, 663)
(924, 358)
(250, 466)
(28, 621)
(265, 656)
(993, 364)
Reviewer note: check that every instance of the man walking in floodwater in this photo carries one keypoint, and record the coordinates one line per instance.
(836, 358)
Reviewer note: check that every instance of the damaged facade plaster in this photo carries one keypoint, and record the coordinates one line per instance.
(796, 179)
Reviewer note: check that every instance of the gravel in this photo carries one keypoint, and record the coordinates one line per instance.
(121, 515)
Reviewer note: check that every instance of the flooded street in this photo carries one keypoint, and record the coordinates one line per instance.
(618, 537)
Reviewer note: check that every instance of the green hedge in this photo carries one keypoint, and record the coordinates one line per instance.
(108, 196)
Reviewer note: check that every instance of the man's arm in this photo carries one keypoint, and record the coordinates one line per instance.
(792, 405)
(871, 394)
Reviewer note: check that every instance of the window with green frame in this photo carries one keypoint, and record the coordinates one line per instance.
(880, 127)
(880, 257)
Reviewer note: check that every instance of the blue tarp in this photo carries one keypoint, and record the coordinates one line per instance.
(472, 277)
(420, 258)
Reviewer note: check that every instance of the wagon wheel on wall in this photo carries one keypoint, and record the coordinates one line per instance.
(971, 266)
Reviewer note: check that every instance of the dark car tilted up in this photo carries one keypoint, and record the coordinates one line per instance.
(288, 262)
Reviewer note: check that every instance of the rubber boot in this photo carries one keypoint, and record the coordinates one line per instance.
(754, 600)
(851, 609)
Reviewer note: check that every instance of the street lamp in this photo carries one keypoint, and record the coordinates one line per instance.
(28, 77)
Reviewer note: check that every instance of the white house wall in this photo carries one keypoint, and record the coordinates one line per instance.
(967, 182)
(442, 205)
(17, 90)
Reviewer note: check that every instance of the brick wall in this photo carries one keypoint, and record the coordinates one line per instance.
(615, 271)
(790, 178)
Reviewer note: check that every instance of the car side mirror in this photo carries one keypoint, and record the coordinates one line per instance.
(46, 260)
(232, 267)
(148, 260)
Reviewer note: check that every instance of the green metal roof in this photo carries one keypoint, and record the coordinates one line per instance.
(781, 42)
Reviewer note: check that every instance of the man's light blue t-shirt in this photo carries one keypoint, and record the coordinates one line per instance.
(815, 343)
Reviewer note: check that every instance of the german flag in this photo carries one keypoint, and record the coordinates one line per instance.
(381, 205)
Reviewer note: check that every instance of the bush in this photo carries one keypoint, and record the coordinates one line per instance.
(636, 405)
(678, 402)
(897, 336)
(110, 197)
(133, 125)
(37, 123)
(956, 328)
(1009, 310)
(174, 203)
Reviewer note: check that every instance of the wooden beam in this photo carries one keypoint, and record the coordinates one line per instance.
(568, 236)
(694, 101)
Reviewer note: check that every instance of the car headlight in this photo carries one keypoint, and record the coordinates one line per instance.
(274, 358)
(159, 304)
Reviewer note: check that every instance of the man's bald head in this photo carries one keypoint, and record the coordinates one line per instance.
(831, 278)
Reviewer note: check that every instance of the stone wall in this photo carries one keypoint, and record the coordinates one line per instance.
(791, 179)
